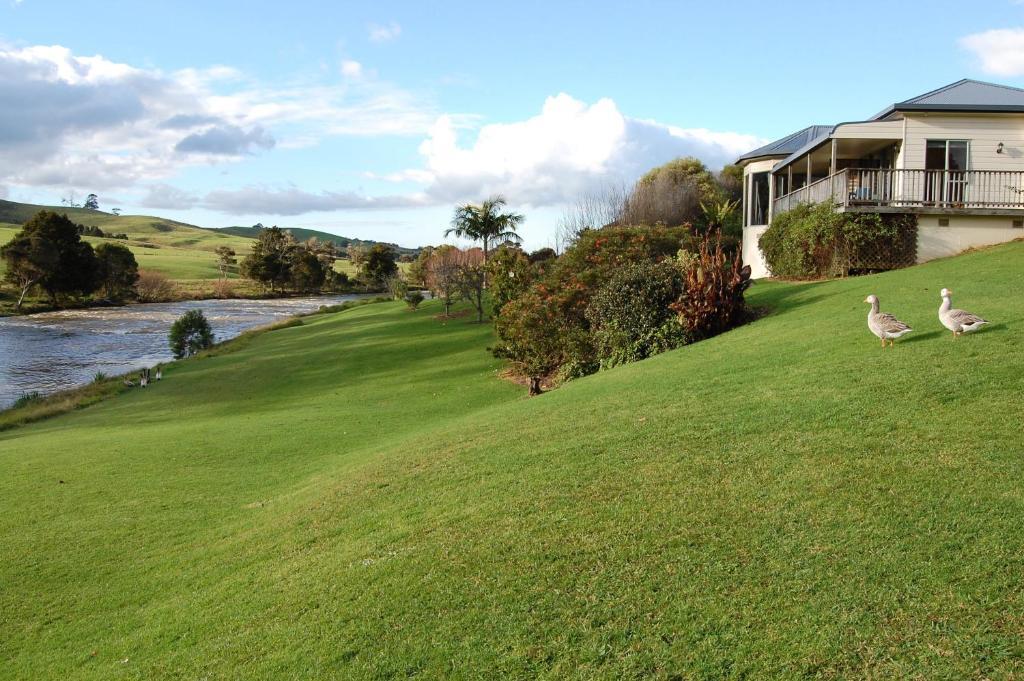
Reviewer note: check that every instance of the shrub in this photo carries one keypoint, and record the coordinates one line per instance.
(223, 288)
(190, 334)
(814, 241)
(631, 315)
(99, 377)
(413, 299)
(714, 287)
(27, 399)
(154, 287)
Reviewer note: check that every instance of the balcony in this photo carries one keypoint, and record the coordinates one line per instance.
(888, 190)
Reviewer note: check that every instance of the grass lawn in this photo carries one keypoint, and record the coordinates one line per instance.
(360, 496)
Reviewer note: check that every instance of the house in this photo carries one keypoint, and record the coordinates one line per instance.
(953, 156)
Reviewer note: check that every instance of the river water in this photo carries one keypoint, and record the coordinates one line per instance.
(53, 351)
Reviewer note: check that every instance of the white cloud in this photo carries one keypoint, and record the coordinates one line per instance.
(568, 149)
(258, 200)
(351, 68)
(999, 51)
(90, 122)
(384, 33)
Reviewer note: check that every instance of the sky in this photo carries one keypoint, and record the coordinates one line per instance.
(374, 119)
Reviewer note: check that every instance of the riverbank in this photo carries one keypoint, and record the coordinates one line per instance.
(33, 407)
(362, 497)
(185, 290)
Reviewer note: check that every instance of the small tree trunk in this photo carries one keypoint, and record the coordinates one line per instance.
(24, 292)
(535, 386)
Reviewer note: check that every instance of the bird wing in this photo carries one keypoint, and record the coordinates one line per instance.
(965, 318)
(889, 323)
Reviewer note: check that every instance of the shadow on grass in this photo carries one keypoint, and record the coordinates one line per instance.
(919, 337)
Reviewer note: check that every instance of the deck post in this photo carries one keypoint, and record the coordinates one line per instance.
(832, 160)
(808, 180)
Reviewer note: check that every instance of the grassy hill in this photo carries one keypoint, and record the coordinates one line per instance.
(177, 249)
(360, 496)
(302, 234)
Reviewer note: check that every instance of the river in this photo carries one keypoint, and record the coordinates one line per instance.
(54, 351)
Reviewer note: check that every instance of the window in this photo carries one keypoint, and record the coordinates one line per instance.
(945, 163)
(759, 198)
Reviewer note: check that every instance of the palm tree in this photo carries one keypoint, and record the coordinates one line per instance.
(486, 223)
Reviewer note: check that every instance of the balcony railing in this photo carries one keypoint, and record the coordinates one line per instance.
(912, 189)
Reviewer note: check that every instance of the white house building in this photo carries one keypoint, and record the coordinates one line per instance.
(953, 156)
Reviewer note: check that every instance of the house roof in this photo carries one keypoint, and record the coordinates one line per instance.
(788, 144)
(963, 95)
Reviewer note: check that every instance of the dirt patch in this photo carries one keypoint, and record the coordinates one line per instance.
(512, 376)
(454, 315)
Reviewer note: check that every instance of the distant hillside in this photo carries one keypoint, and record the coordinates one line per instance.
(303, 234)
(176, 249)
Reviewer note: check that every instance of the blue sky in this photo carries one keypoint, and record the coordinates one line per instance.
(374, 119)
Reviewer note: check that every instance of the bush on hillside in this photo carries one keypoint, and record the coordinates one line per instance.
(714, 285)
(615, 296)
(190, 333)
(631, 315)
(814, 241)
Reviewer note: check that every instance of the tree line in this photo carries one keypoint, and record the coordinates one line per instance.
(49, 253)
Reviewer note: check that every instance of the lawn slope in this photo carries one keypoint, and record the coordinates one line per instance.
(361, 497)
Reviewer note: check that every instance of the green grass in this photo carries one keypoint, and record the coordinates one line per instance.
(360, 496)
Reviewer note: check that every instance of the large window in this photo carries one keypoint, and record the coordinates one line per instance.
(759, 195)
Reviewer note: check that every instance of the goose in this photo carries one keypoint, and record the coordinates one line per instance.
(883, 324)
(957, 321)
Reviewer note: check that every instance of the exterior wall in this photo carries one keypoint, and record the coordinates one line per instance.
(872, 130)
(751, 233)
(752, 253)
(963, 232)
(984, 131)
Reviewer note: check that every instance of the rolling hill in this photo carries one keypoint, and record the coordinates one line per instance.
(177, 249)
(361, 497)
(302, 234)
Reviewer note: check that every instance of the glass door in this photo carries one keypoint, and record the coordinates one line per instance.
(945, 163)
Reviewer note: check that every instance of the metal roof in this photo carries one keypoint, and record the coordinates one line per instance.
(787, 145)
(963, 95)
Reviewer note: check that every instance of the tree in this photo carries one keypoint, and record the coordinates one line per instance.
(472, 275)
(190, 333)
(531, 335)
(397, 286)
(92, 202)
(225, 259)
(671, 194)
(357, 255)
(307, 273)
(116, 211)
(486, 223)
(271, 258)
(510, 274)
(379, 264)
(48, 252)
(443, 275)
(117, 271)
